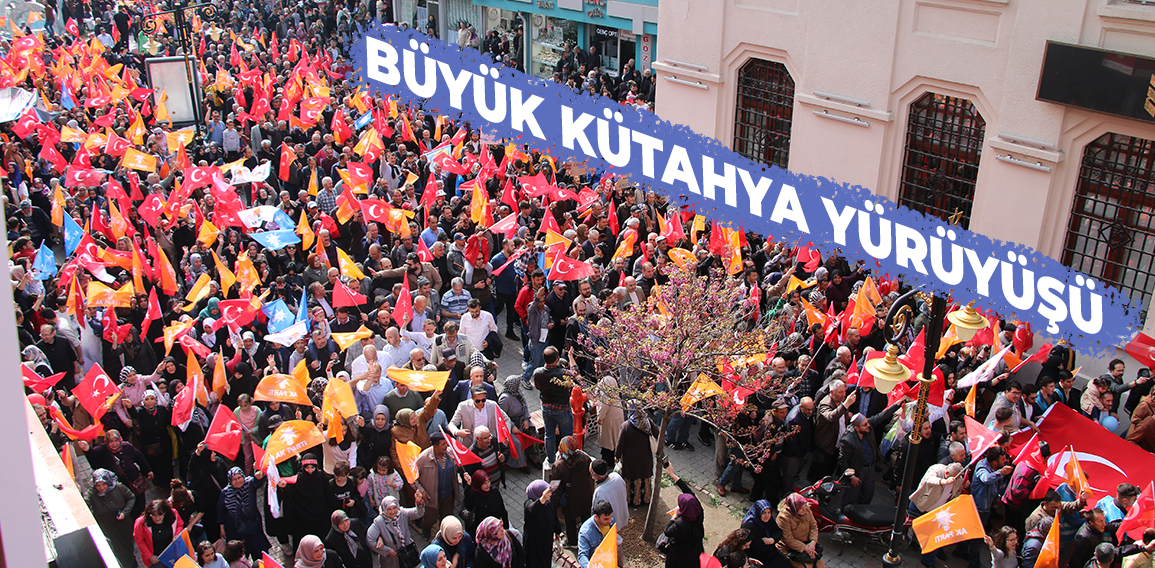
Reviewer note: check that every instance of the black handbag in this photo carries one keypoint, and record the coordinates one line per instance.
(407, 556)
(664, 542)
(803, 558)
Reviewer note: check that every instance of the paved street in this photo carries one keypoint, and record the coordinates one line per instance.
(696, 467)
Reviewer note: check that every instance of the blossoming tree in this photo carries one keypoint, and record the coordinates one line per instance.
(691, 350)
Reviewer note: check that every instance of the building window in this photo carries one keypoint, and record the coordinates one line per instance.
(944, 139)
(764, 110)
(1112, 234)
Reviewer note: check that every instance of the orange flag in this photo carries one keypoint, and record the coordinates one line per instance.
(198, 292)
(66, 457)
(606, 554)
(282, 388)
(1075, 475)
(954, 522)
(137, 160)
(813, 316)
(703, 387)
(301, 373)
(339, 396)
(226, 275)
(305, 231)
(1049, 554)
(290, 439)
(344, 340)
(681, 257)
(871, 290)
(220, 379)
(970, 401)
(247, 276)
(420, 381)
(407, 455)
(196, 379)
(100, 295)
(208, 233)
(171, 332)
(167, 273)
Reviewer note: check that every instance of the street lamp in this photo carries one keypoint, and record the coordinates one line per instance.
(182, 15)
(898, 321)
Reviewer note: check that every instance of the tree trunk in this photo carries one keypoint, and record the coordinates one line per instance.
(649, 532)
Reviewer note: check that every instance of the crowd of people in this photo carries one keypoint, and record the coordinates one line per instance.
(159, 259)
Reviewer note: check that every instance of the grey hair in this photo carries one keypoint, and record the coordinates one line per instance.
(457, 281)
(835, 384)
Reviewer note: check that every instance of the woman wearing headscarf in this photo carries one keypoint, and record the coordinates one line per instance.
(513, 403)
(155, 441)
(36, 361)
(456, 543)
(764, 535)
(482, 500)
(540, 524)
(311, 553)
(389, 537)
(111, 504)
(376, 438)
(238, 514)
(308, 501)
(208, 475)
(434, 557)
(637, 457)
(610, 417)
(154, 530)
(799, 533)
(497, 547)
(347, 539)
(572, 469)
(686, 530)
(249, 416)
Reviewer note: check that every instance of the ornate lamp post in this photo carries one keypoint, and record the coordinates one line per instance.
(888, 372)
(182, 14)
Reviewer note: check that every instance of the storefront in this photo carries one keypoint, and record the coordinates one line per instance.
(618, 30)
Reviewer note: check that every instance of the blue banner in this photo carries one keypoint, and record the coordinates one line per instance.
(701, 173)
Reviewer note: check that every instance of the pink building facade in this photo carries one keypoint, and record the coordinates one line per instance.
(933, 104)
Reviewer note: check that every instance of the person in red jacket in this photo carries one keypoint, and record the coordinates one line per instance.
(155, 529)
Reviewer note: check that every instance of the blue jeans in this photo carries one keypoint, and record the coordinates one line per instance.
(679, 430)
(733, 473)
(927, 557)
(536, 354)
(560, 421)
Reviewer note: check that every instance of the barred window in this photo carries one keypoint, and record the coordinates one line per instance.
(763, 112)
(944, 140)
(1111, 236)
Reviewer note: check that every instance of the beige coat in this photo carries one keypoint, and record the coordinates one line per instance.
(797, 530)
(610, 418)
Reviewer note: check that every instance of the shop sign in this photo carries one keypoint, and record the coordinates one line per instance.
(545, 4)
(605, 32)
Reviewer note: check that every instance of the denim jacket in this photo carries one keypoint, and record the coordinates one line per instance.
(987, 485)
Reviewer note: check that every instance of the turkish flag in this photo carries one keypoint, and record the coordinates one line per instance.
(403, 311)
(236, 313)
(1107, 459)
(151, 209)
(1142, 348)
(810, 258)
(461, 454)
(87, 434)
(343, 296)
(26, 123)
(34, 381)
(94, 390)
(535, 186)
(447, 163)
(423, 252)
(83, 178)
(153, 313)
(1023, 339)
(566, 268)
(979, 437)
(1141, 515)
(507, 226)
(915, 357)
(224, 435)
(376, 210)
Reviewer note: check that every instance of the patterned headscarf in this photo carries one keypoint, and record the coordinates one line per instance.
(511, 386)
(754, 515)
(387, 502)
(795, 503)
(493, 540)
(125, 371)
(567, 446)
(105, 476)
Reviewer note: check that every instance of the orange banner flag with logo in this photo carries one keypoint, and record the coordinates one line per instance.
(220, 379)
(290, 439)
(344, 340)
(282, 388)
(1075, 475)
(420, 381)
(1049, 554)
(956, 521)
(703, 387)
(606, 554)
(339, 395)
(407, 454)
(100, 295)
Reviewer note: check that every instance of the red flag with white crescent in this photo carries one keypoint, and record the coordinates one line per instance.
(461, 455)
(224, 435)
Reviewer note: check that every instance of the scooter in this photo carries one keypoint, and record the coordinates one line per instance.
(874, 521)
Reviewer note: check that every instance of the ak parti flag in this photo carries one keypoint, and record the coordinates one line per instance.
(1049, 554)
(420, 381)
(703, 387)
(282, 388)
(290, 439)
(606, 554)
(1075, 475)
(956, 521)
(407, 454)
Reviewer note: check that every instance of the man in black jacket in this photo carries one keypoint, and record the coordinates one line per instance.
(797, 446)
(555, 409)
(857, 449)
